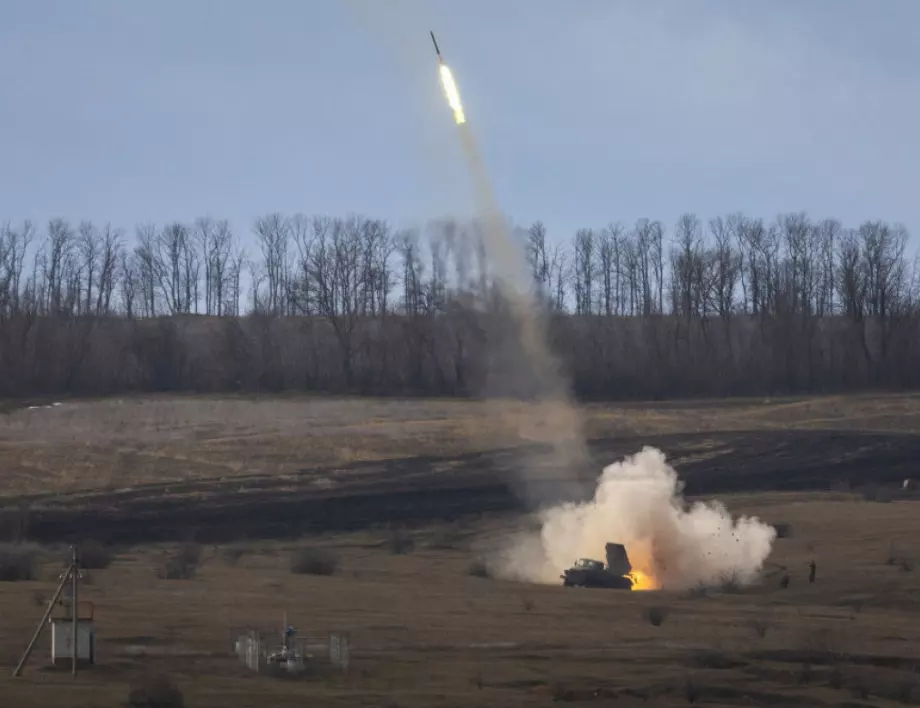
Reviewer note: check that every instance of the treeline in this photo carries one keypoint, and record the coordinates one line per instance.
(735, 306)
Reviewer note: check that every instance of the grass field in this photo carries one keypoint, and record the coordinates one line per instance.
(424, 630)
(124, 442)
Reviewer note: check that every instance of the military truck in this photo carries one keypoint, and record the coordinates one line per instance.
(589, 573)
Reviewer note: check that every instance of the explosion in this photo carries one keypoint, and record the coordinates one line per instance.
(642, 581)
(452, 94)
(671, 545)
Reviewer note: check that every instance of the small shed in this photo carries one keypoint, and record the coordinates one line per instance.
(62, 633)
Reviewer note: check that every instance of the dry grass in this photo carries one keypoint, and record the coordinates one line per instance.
(424, 631)
(120, 443)
(431, 627)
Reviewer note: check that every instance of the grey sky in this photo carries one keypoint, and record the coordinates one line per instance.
(587, 110)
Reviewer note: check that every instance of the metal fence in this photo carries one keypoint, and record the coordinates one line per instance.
(255, 648)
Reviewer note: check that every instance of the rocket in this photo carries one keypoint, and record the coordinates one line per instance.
(450, 86)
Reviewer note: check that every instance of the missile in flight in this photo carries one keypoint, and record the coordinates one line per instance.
(449, 85)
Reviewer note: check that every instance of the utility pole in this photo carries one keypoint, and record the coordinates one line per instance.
(69, 574)
(74, 575)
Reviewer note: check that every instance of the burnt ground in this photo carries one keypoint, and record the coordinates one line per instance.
(424, 489)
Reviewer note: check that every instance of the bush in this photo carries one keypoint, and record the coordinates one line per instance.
(94, 555)
(760, 627)
(893, 554)
(478, 569)
(401, 542)
(183, 564)
(696, 592)
(232, 555)
(448, 539)
(311, 561)
(876, 493)
(14, 524)
(691, 692)
(155, 692)
(656, 616)
(783, 529)
(17, 562)
(895, 557)
(730, 584)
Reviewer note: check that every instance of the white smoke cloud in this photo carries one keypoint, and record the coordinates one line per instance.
(638, 502)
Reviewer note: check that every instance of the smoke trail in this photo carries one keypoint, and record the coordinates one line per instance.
(638, 503)
(401, 26)
(541, 372)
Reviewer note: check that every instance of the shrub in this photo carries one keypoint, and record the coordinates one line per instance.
(14, 524)
(17, 562)
(697, 592)
(182, 564)
(311, 561)
(691, 692)
(155, 692)
(908, 692)
(655, 615)
(401, 542)
(94, 555)
(232, 554)
(478, 569)
(783, 529)
(876, 493)
(730, 584)
(448, 539)
(760, 627)
(893, 554)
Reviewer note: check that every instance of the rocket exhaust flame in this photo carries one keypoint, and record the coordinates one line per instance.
(642, 581)
(452, 94)
(449, 85)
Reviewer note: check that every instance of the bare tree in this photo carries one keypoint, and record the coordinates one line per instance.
(832, 308)
(687, 267)
(90, 248)
(14, 245)
(177, 269)
(272, 233)
(58, 263)
(146, 268)
(538, 257)
(584, 270)
(336, 275)
(727, 266)
(609, 250)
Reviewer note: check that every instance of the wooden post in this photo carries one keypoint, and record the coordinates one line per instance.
(44, 620)
(74, 574)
